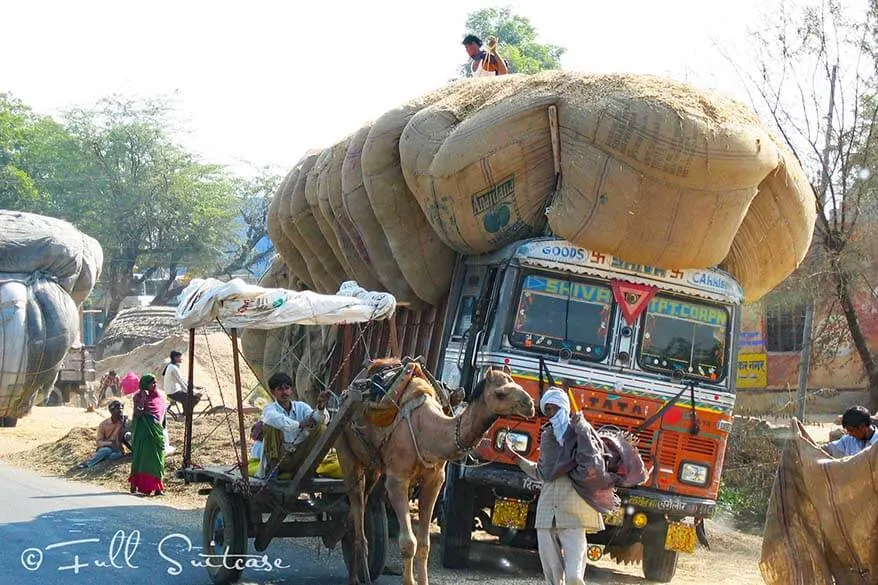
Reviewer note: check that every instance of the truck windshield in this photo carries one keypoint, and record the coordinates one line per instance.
(685, 336)
(555, 314)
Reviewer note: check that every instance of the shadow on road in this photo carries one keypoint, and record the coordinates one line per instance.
(140, 545)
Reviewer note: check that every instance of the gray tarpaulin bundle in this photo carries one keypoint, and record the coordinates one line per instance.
(47, 269)
(651, 170)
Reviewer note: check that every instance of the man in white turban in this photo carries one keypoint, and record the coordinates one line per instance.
(563, 517)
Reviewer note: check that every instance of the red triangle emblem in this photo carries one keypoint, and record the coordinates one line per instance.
(633, 298)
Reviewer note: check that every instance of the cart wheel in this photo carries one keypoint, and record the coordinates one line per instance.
(376, 533)
(224, 526)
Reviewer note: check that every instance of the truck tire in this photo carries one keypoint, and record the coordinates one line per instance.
(457, 514)
(54, 398)
(375, 527)
(224, 525)
(659, 564)
(8, 422)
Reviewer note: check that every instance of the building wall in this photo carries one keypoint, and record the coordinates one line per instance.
(759, 369)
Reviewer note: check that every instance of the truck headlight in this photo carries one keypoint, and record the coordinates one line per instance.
(520, 441)
(694, 473)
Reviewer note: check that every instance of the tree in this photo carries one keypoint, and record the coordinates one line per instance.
(517, 41)
(815, 79)
(39, 161)
(151, 204)
(252, 249)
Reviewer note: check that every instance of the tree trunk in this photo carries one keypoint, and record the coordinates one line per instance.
(121, 276)
(861, 344)
(165, 293)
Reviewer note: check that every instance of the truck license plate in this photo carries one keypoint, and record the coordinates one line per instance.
(615, 518)
(509, 513)
(680, 537)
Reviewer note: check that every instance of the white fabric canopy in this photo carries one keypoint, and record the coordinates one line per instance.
(244, 306)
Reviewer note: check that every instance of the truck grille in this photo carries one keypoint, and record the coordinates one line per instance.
(668, 449)
(701, 446)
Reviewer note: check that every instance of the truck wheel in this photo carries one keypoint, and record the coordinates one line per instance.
(659, 564)
(457, 531)
(375, 527)
(8, 422)
(224, 525)
(54, 398)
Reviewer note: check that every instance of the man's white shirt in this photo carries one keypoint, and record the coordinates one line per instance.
(173, 380)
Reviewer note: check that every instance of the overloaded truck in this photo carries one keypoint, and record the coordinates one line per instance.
(643, 350)
(569, 226)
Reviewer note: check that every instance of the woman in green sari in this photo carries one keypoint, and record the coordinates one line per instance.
(148, 443)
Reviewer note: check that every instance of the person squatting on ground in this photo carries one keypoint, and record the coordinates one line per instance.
(148, 457)
(563, 517)
(112, 437)
(111, 385)
(290, 428)
(858, 425)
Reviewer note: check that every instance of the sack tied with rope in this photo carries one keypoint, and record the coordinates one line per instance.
(597, 463)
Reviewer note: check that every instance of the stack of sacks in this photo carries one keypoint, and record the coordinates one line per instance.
(652, 171)
(47, 269)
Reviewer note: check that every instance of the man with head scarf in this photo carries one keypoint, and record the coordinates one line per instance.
(148, 457)
(563, 517)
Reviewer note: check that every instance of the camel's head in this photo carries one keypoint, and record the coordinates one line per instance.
(503, 395)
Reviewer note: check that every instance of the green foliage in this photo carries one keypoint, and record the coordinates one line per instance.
(24, 138)
(116, 173)
(517, 41)
(746, 507)
(151, 204)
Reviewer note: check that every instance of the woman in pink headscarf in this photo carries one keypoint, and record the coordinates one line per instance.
(148, 442)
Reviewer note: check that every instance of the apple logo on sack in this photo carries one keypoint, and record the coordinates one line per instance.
(496, 219)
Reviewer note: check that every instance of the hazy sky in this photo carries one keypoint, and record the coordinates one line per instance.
(265, 81)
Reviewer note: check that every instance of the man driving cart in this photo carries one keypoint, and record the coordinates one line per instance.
(290, 428)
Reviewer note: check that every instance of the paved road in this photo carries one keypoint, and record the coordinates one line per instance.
(55, 531)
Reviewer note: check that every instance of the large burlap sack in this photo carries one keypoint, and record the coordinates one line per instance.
(480, 162)
(40, 323)
(311, 346)
(253, 340)
(654, 171)
(424, 260)
(820, 524)
(307, 237)
(279, 216)
(329, 188)
(776, 232)
(32, 243)
(363, 222)
(312, 195)
(92, 264)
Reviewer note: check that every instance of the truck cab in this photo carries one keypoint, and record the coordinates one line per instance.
(641, 349)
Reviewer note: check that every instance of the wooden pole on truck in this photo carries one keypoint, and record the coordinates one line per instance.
(394, 338)
(241, 435)
(189, 407)
(556, 139)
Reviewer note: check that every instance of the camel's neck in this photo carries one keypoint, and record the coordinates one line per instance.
(469, 426)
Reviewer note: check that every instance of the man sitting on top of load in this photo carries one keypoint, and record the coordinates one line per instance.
(484, 63)
(290, 428)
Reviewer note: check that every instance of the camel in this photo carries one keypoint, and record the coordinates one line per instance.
(413, 450)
